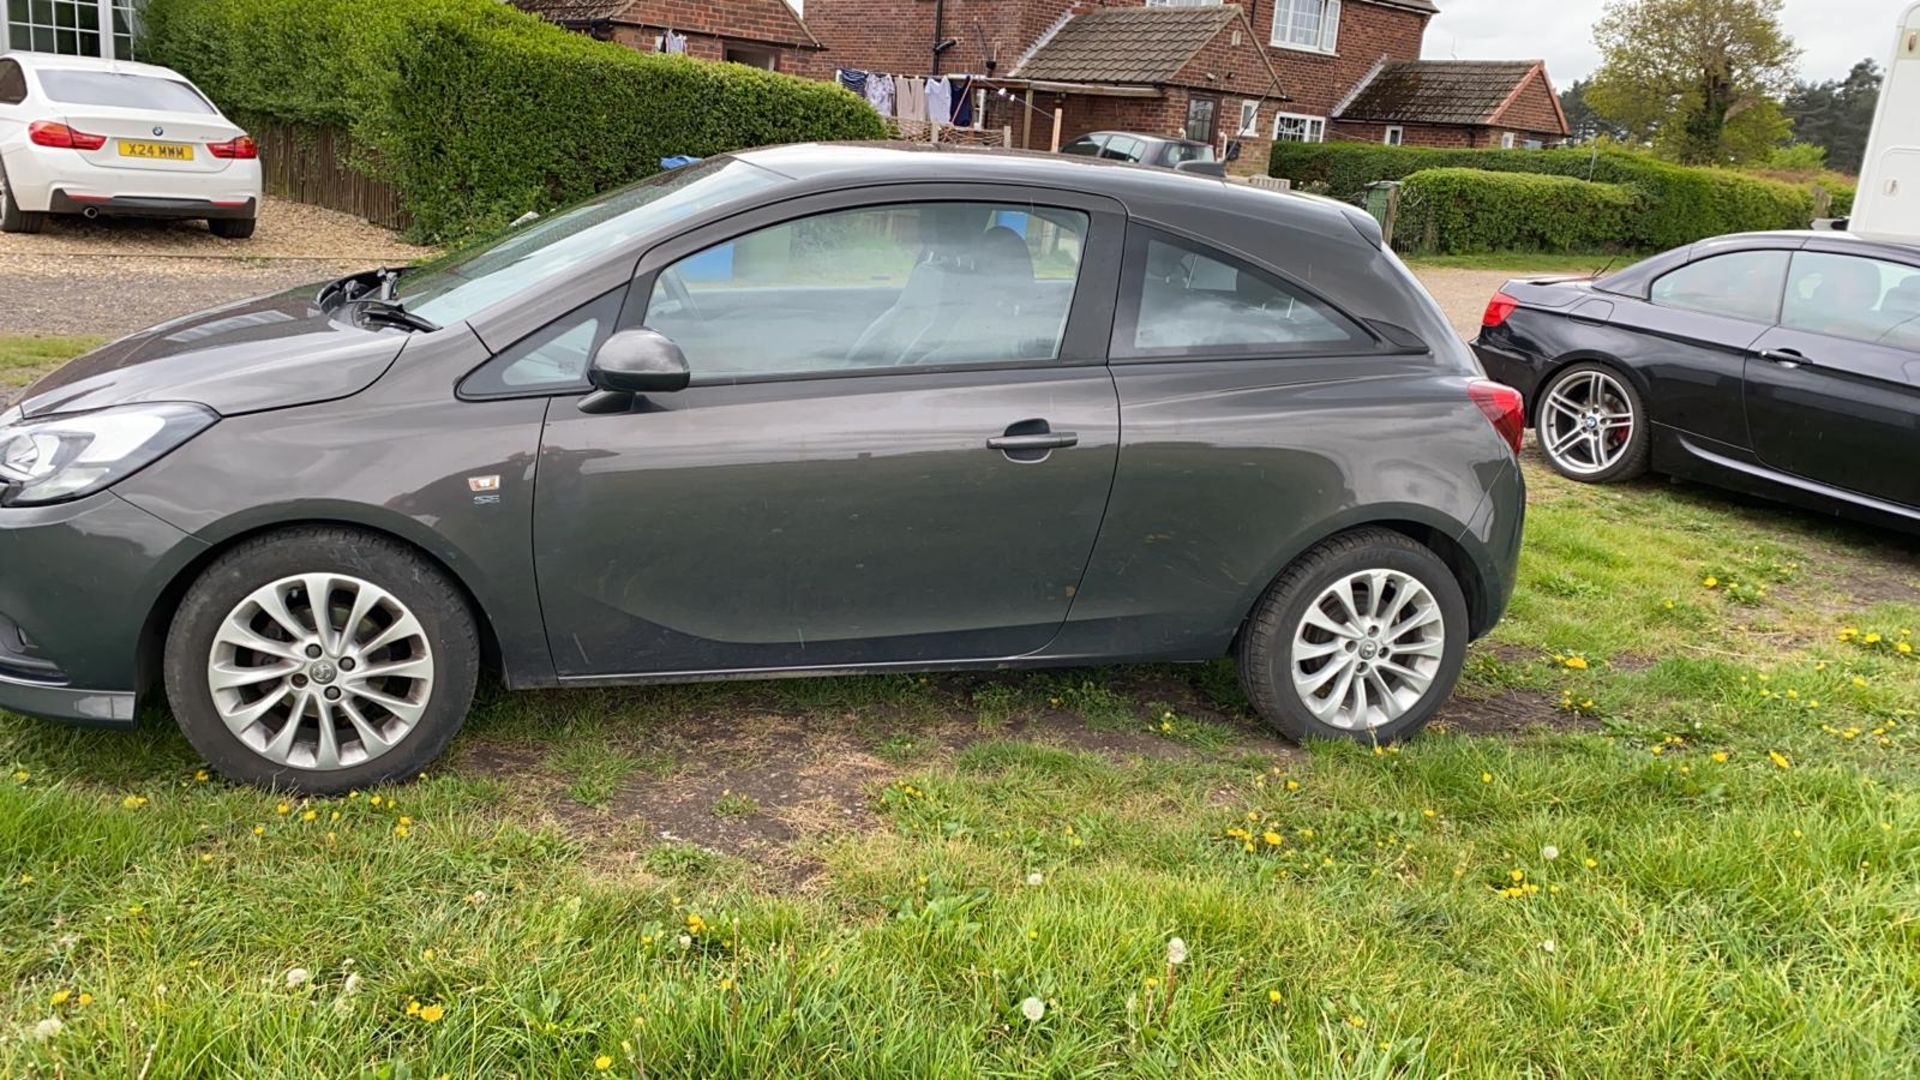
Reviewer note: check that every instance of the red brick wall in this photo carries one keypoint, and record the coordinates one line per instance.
(1534, 110)
(768, 21)
(1318, 82)
(896, 36)
(709, 47)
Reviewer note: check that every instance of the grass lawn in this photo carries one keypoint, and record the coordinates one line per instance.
(1668, 829)
(1527, 262)
(24, 358)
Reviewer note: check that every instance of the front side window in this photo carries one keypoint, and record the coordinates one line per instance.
(1123, 148)
(467, 283)
(552, 359)
(114, 90)
(1289, 127)
(1306, 24)
(13, 83)
(885, 288)
(1740, 285)
(1195, 300)
(1084, 146)
(1860, 299)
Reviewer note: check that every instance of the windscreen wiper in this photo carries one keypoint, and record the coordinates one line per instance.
(390, 313)
(375, 284)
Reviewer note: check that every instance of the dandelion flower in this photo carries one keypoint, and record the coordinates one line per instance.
(1577, 663)
(1272, 838)
(200, 776)
(1903, 648)
(1429, 813)
(399, 830)
(352, 985)
(60, 997)
(47, 1029)
(309, 815)
(432, 1013)
(297, 977)
(1033, 1009)
(1036, 879)
(1592, 864)
(1356, 1021)
(259, 830)
(1872, 638)
(21, 776)
(1273, 997)
(603, 1062)
(1293, 785)
(1150, 982)
(1486, 778)
(283, 809)
(1547, 946)
(1176, 951)
(134, 802)
(1720, 756)
(83, 1000)
(1780, 760)
(1710, 581)
(1549, 853)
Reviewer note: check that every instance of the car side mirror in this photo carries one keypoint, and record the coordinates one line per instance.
(639, 362)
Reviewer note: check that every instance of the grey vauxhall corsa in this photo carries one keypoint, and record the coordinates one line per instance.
(792, 411)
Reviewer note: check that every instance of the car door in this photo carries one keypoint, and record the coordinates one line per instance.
(897, 446)
(1691, 338)
(1833, 392)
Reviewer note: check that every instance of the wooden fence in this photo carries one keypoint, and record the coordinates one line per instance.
(309, 165)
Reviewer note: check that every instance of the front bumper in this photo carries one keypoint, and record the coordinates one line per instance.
(79, 584)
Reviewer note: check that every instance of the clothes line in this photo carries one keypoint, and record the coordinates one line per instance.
(945, 99)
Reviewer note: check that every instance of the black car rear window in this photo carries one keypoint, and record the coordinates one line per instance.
(119, 91)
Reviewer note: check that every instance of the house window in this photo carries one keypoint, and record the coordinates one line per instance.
(1313, 25)
(1506, 140)
(1290, 127)
(1395, 136)
(752, 57)
(69, 27)
(1249, 120)
(1202, 117)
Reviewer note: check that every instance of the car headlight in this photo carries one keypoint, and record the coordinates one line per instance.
(56, 458)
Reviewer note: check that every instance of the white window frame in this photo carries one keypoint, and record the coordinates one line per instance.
(1506, 140)
(1249, 119)
(1315, 127)
(1395, 136)
(1306, 26)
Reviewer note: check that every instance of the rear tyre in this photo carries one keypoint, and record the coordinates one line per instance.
(231, 228)
(1361, 639)
(1592, 426)
(320, 659)
(12, 218)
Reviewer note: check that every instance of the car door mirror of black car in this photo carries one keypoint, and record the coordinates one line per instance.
(634, 362)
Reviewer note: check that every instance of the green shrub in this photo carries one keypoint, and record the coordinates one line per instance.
(1463, 211)
(1681, 204)
(477, 113)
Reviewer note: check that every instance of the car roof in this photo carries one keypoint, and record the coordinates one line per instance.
(855, 164)
(1149, 138)
(39, 61)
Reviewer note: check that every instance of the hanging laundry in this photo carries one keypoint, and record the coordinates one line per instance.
(880, 93)
(960, 90)
(853, 79)
(671, 42)
(910, 97)
(939, 101)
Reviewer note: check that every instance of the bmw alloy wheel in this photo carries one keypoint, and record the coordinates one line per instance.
(1586, 423)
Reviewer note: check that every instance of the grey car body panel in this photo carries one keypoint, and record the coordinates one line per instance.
(266, 353)
(701, 533)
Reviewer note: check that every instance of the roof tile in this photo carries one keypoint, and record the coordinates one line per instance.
(1127, 45)
(1438, 91)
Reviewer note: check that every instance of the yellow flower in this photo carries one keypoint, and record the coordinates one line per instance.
(413, 1008)
(603, 1062)
(83, 999)
(335, 816)
(432, 1013)
(1849, 633)
(1517, 874)
(1859, 681)
(134, 802)
(199, 776)
(26, 879)
(282, 809)
(1872, 638)
(259, 830)
(1592, 864)
(1293, 785)
(1903, 648)
(1272, 838)
(1429, 812)
(1273, 997)
(60, 997)
(1152, 982)
(135, 909)
(1780, 760)
(375, 801)
(406, 820)
(695, 924)
(399, 830)
(1356, 1021)
(1710, 581)
(1669, 605)
(1486, 778)
(1033, 935)
(206, 856)
(1720, 756)
(1577, 663)
(21, 775)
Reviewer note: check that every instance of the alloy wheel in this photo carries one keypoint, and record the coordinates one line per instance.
(320, 671)
(1367, 649)
(1586, 423)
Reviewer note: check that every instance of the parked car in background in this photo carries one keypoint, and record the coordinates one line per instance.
(1783, 364)
(1184, 154)
(109, 138)
(795, 411)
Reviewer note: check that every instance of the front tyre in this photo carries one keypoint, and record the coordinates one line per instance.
(320, 659)
(1591, 425)
(1362, 639)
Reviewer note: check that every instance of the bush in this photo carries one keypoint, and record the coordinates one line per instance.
(477, 113)
(1681, 204)
(1462, 211)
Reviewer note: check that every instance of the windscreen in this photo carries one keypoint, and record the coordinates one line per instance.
(118, 91)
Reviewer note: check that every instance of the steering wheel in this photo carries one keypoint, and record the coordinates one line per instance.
(678, 292)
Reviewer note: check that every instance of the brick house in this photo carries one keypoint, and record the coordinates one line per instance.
(763, 33)
(1454, 103)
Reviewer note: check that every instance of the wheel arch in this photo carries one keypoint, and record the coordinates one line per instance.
(153, 631)
(1560, 363)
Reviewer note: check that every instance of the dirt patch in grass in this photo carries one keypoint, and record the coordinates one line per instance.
(1509, 712)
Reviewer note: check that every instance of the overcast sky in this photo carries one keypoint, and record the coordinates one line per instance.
(1832, 34)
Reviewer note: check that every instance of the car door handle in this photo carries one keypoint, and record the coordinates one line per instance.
(1786, 358)
(1047, 440)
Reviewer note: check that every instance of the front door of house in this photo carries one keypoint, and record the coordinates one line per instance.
(1203, 116)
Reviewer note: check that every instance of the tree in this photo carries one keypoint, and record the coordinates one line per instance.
(1582, 121)
(1837, 115)
(1700, 79)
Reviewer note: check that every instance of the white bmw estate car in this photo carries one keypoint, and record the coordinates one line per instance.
(99, 137)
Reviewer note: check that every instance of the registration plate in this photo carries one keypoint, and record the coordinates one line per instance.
(156, 151)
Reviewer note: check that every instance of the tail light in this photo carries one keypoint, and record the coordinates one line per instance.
(1498, 309)
(1502, 406)
(240, 149)
(61, 137)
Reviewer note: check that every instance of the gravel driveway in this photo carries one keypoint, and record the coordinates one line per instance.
(114, 277)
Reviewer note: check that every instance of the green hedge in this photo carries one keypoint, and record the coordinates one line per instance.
(1462, 211)
(1681, 205)
(477, 113)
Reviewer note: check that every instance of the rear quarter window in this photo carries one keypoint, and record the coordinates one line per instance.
(1184, 299)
